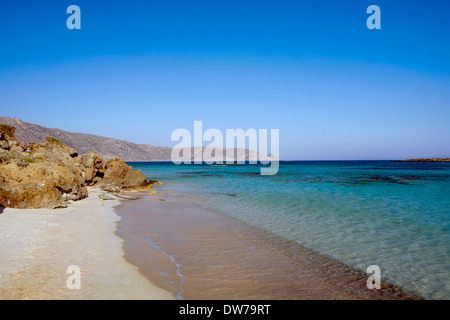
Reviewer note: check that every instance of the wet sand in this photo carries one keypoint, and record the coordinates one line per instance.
(196, 253)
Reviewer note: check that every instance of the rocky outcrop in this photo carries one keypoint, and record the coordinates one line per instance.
(92, 167)
(49, 174)
(118, 175)
(113, 175)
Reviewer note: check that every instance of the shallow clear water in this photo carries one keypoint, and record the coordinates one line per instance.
(392, 214)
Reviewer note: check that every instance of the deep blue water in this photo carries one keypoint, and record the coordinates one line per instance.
(392, 214)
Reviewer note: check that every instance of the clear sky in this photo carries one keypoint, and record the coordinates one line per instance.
(137, 70)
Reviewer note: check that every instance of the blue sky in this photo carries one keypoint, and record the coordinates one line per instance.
(137, 70)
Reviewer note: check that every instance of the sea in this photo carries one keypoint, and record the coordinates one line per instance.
(394, 215)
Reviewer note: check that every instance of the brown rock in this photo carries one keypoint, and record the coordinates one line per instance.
(4, 144)
(105, 197)
(92, 166)
(49, 174)
(7, 136)
(40, 185)
(7, 133)
(118, 175)
(5, 156)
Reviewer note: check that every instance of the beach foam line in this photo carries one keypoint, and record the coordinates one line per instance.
(179, 295)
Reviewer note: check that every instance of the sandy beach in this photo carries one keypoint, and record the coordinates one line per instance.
(38, 245)
(162, 246)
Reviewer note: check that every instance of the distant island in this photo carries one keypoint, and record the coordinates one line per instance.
(426, 160)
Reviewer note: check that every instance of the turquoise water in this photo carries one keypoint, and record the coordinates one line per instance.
(392, 214)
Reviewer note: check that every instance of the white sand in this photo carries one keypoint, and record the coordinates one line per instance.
(37, 246)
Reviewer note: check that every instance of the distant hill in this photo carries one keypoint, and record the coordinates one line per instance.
(108, 148)
(426, 160)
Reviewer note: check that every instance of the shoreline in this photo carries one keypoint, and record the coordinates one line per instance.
(38, 245)
(196, 253)
(163, 246)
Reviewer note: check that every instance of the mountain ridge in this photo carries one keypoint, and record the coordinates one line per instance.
(107, 147)
(111, 148)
